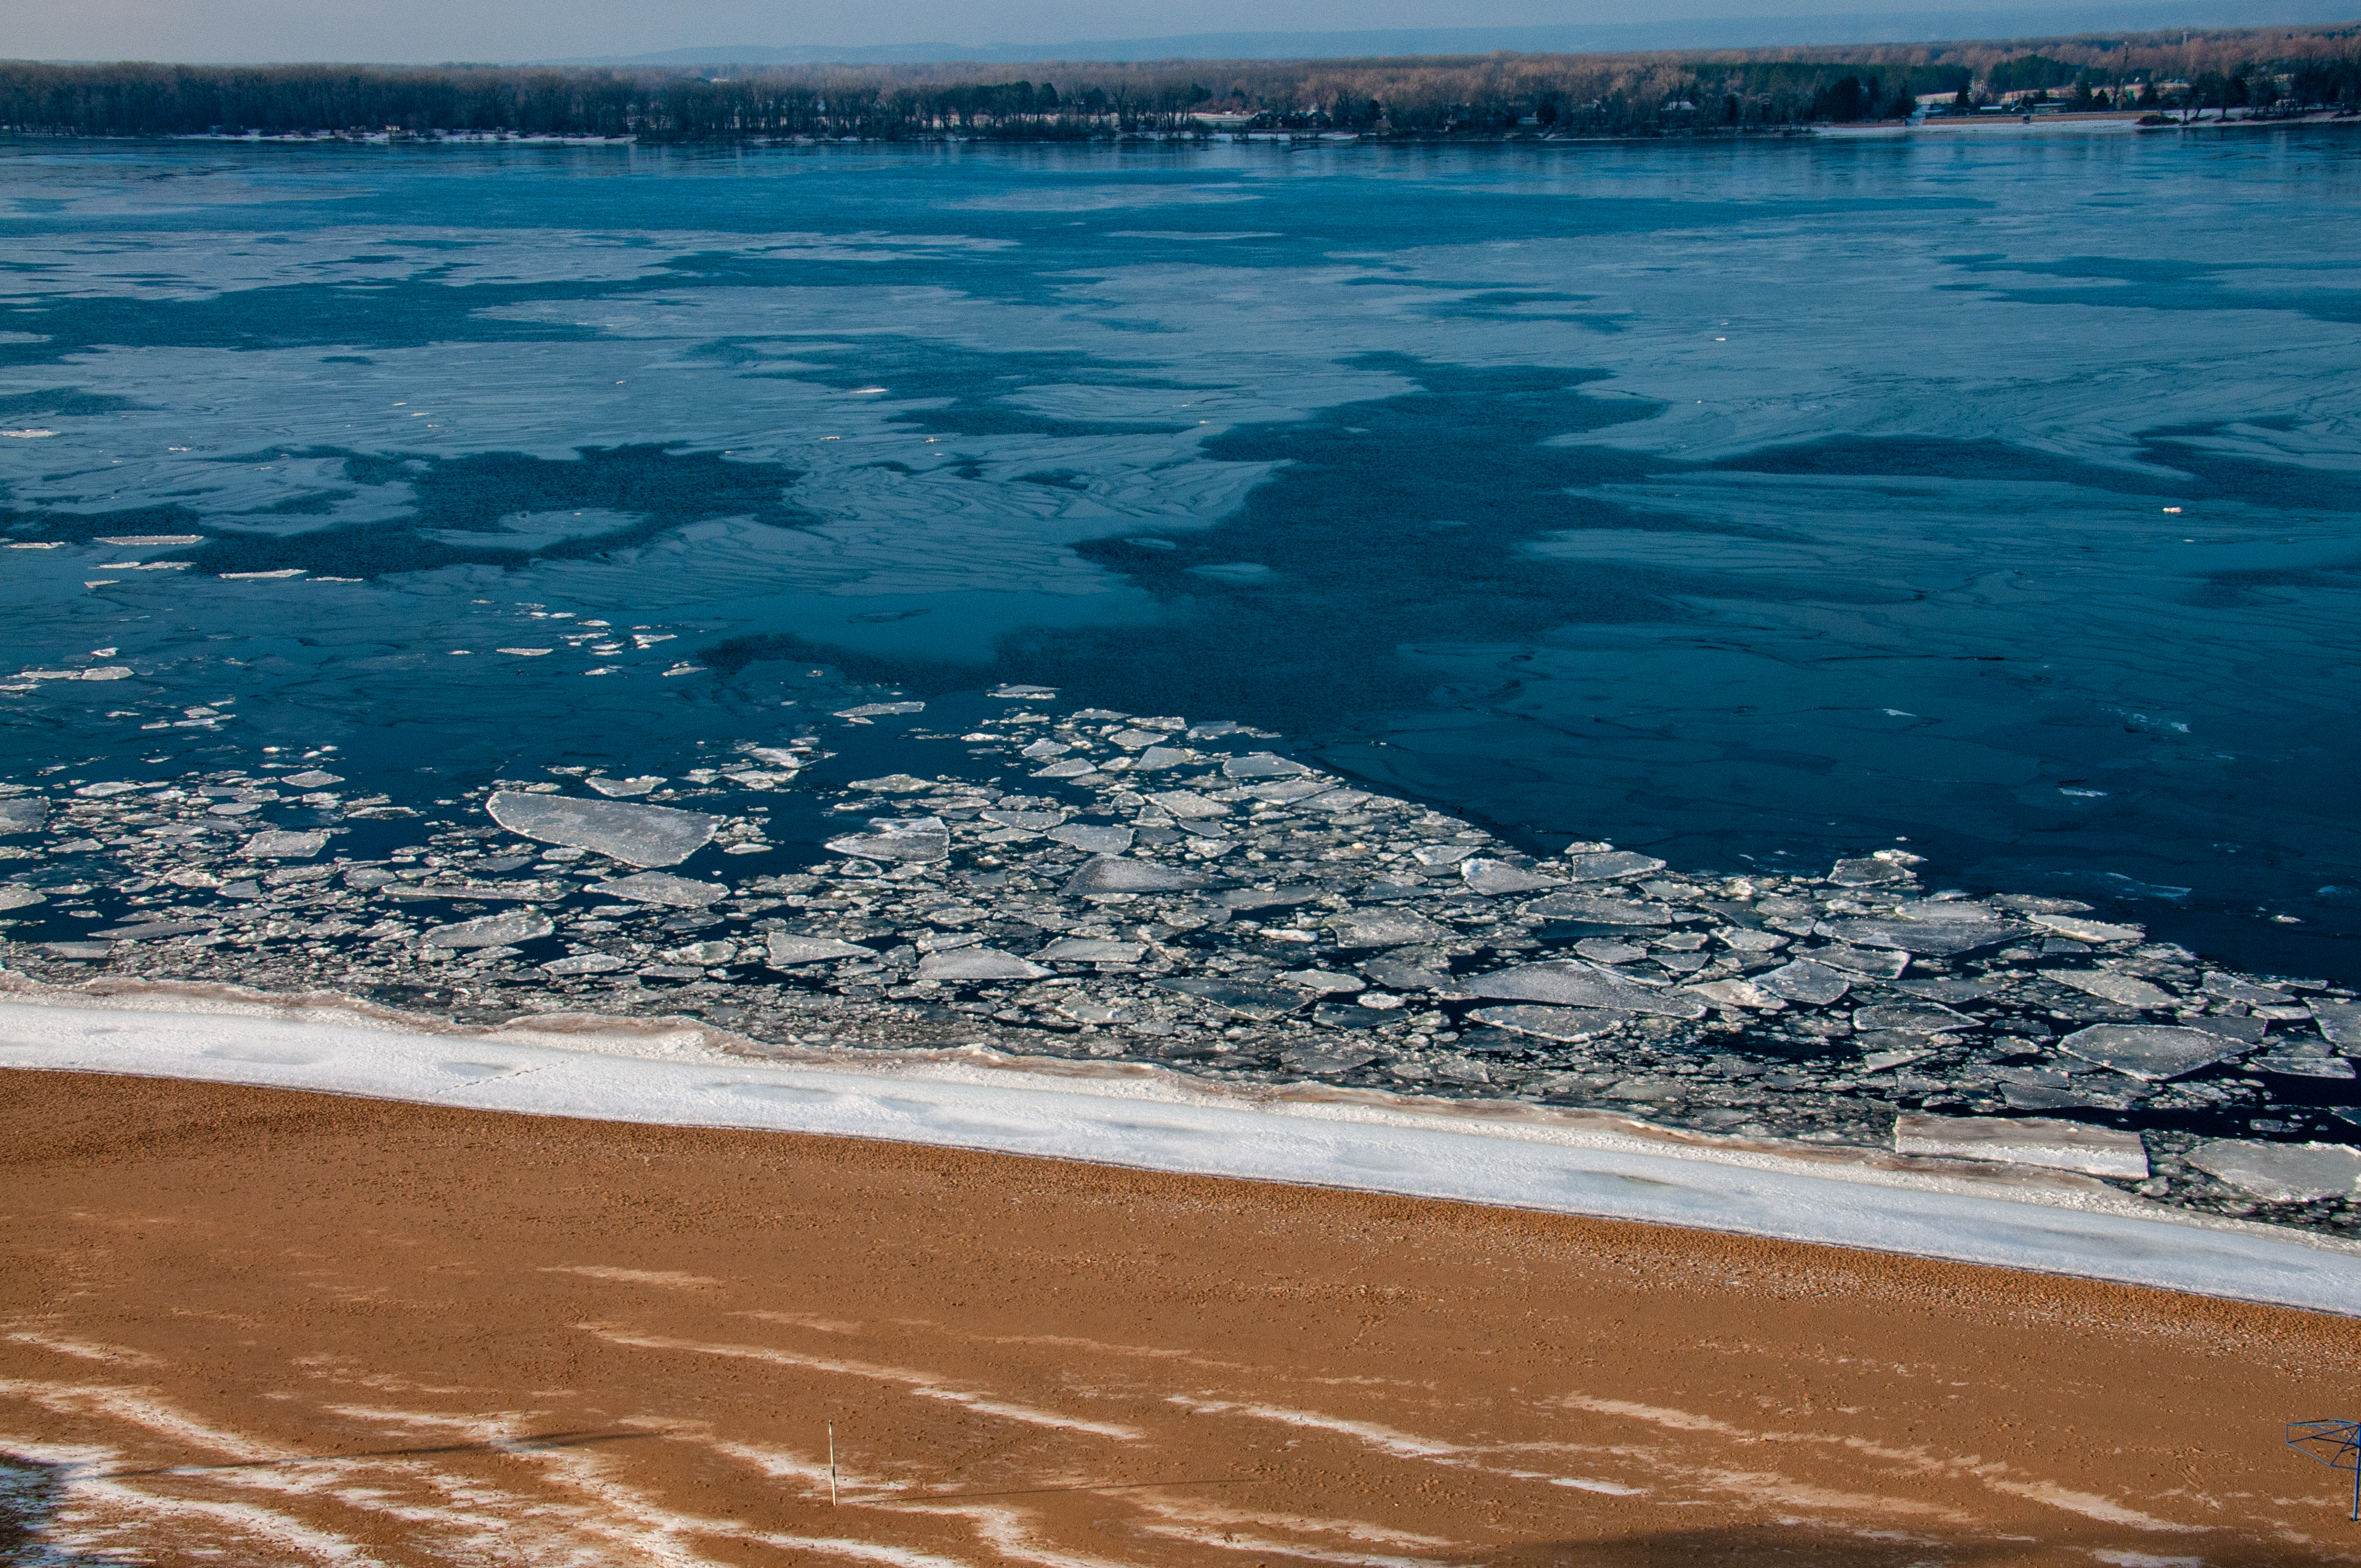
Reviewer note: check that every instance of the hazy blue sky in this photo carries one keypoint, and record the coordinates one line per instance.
(543, 30)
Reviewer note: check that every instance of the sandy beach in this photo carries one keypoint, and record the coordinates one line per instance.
(252, 1324)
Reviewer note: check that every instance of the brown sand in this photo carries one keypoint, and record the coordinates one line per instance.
(261, 1327)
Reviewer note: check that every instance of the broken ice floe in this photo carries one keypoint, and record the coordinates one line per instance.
(490, 931)
(784, 951)
(623, 787)
(2063, 1146)
(2150, 1050)
(638, 834)
(276, 844)
(2281, 1172)
(657, 887)
(916, 839)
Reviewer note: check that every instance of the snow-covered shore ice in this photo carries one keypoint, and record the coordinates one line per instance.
(1517, 1157)
(1105, 887)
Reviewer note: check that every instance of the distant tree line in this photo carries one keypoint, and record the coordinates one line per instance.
(1628, 94)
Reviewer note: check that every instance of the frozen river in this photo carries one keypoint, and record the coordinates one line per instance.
(1750, 506)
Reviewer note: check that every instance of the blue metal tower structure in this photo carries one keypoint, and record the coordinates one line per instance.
(2336, 1444)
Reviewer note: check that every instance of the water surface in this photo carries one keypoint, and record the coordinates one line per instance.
(1748, 504)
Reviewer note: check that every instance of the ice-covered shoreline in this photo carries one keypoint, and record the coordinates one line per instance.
(1526, 1157)
(1178, 895)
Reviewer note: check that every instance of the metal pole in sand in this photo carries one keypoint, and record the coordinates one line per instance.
(831, 1464)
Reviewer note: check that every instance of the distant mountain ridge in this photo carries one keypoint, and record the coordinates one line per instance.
(1683, 33)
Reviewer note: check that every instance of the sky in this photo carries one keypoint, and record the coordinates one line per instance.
(433, 31)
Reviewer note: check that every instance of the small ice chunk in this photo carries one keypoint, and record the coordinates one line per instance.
(977, 963)
(2301, 1064)
(1573, 984)
(639, 785)
(1098, 840)
(2281, 1173)
(1163, 757)
(1589, 910)
(2233, 988)
(636, 835)
(24, 813)
(1442, 855)
(1492, 878)
(313, 778)
(1401, 976)
(2084, 930)
(278, 844)
(1940, 939)
(2027, 1140)
(1072, 768)
(1862, 961)
(881, 709)
(1607, 950)
(1746, 939)
(1246, 1000)
(1133, 739)
(1566, 1023)
(1865, 873)
(2109, 986)
(1023, 692)
(913, 839)
(490, 930)
(585, 963)
(1090, 950)
(153, 930)
(1806, 981)
(1268, 897)
(1259, 765)
(660, 887)
(1045, 748)
(893, 784)
(1187, 804)
(1113, 873)
(78, 949)
(2340, 1020)
(1030, 821)
(1336, 800)
(1736, 993)
(16, 895)
(1281, 791)
(1913, 1018)
(1321, 982)
(788, 952)
(1326, 1060)
(104, 789)
(1610, 866)
(1384, 928)
(2152, 1051)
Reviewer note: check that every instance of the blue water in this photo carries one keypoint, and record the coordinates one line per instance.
(1746, 503)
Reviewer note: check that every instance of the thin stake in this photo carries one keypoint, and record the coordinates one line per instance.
(831, 1464)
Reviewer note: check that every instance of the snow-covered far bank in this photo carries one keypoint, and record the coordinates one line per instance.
(1571, 1162)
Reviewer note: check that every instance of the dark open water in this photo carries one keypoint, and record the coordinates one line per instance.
(1747, 504)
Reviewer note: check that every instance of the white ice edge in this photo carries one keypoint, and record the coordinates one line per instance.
(1152, 1120)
